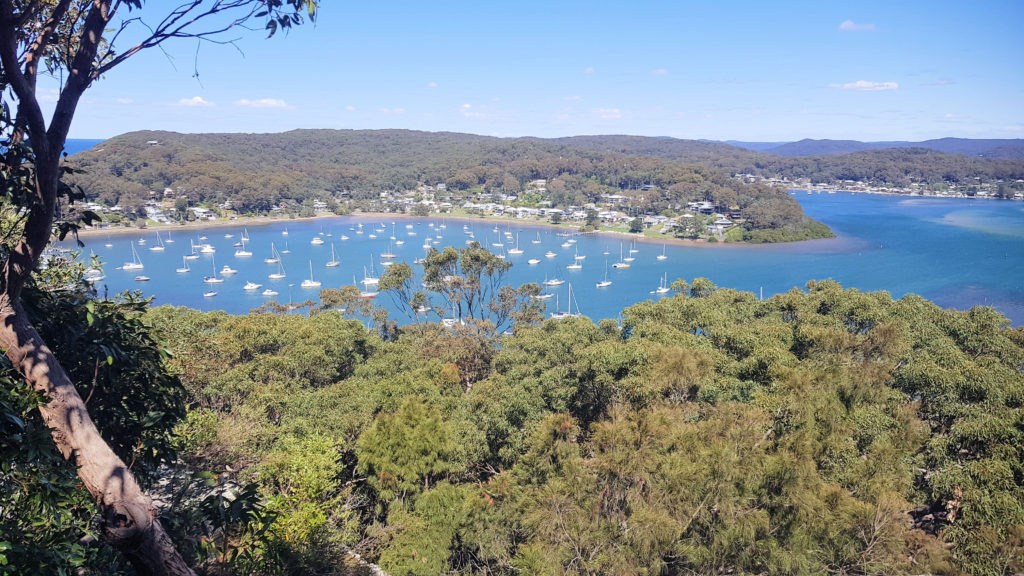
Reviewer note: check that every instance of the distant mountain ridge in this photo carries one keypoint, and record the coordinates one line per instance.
(1010, 149)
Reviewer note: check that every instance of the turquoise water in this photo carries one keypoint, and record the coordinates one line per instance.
(956, 252)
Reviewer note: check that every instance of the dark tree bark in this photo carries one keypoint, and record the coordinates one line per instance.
(29, 29)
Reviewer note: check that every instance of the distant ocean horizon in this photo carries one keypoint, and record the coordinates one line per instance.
(75, 145)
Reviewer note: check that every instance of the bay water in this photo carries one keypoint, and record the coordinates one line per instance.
(956, 252)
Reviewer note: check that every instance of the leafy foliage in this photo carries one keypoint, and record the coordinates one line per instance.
(819, 431)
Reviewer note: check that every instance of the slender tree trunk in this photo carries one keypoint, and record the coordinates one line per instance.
(129, 520)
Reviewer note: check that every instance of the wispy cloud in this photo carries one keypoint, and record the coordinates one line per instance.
(263, 103)
(571, 98)
(588, 70)
(350, 108)
(659, 72)
(851, 26)
(608, 113)
(124, 100)
(50, 95)
(195, 102)
(431, 84)
(866, 86)
(940, 82)
(396, 111)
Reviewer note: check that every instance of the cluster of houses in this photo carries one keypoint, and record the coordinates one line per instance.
(610, 209)
(977, 189)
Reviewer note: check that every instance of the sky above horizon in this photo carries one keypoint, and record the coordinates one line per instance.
(753, 71)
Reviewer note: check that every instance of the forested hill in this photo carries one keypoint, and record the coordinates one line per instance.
(400, 159)
(982, 148)
(258, 168)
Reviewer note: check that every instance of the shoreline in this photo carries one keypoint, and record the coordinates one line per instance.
(571, 229)
(243, 221)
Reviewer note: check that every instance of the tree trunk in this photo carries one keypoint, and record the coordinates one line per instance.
(129, 520)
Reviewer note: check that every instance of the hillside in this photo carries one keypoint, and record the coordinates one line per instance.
(257, 172)
(974, 147)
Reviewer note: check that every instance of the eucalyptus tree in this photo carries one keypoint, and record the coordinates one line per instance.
(75, 43)
(470, 280)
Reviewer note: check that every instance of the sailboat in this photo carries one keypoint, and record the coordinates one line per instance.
(364, 293)
(569, 313)
(576, 265)
(663, 287)
(109, 244)
(310, 283)
(553, 281)
(286, 250)
(193, 255)
(160, 244)
(242, 252)
(606, 282)
(662, 256)
(389, 254)
(333, 261)
(370, 278)
(184, 266)
(621, 263)
(274, 257)
(516, 250)
(579, 256)
(537, 241)
(169, 239)
(279, 274)
(135, 264)
(245, 234)
(213, 279)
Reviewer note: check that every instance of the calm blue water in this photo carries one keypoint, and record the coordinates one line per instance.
(956, 252)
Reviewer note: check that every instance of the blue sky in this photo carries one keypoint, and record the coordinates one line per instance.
(757, 71)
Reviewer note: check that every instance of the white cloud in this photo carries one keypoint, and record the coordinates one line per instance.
(124, 101)
(588, 70)
(571, 98)
(851, 26)
(263, 103)
(659, 72)
(195, 102)
(608, 113)
(431, 84)
(350, 108)
(467, 106)
(866, 86)
(495, 99)
(398, 111)
(50, 95)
